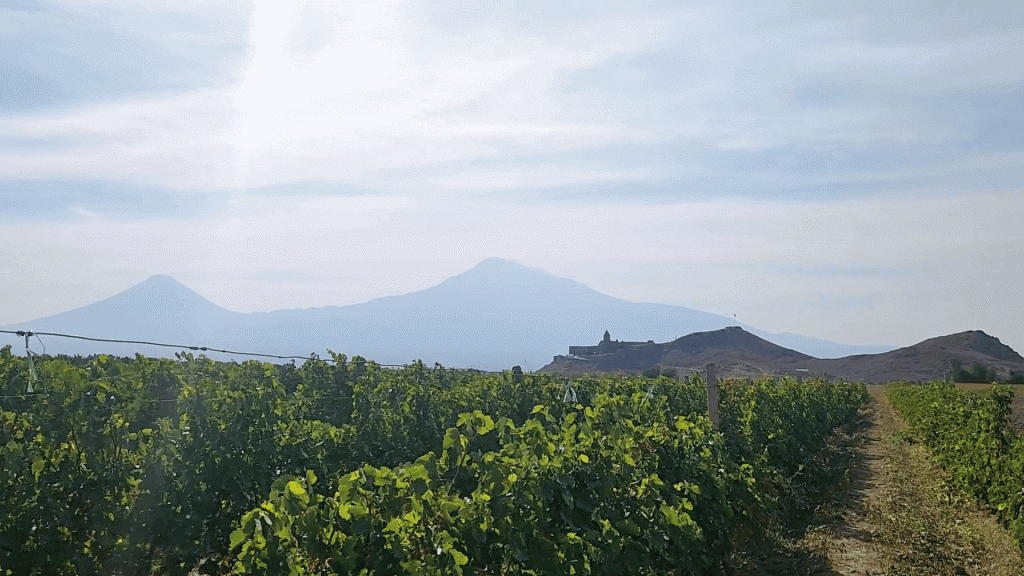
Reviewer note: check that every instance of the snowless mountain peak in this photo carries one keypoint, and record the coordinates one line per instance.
(501, 269)
(162, 282)
(161, 287)
(502, 265)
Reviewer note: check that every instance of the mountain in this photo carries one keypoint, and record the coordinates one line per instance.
(738, 353)
(514, 306)
(495, 315)
(159, 309)
(972, 345)
(927, 360)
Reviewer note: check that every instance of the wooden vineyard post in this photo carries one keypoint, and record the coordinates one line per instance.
(167, 396)
(712, 383)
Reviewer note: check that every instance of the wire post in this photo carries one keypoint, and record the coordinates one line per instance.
(31, 365)
(167, 396)
(712, 383)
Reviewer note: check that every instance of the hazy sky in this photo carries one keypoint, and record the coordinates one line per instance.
(847, 170)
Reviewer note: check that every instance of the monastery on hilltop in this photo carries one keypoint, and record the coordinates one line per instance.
(605, 346)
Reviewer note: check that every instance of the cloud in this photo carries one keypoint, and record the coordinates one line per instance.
(48, 200)
(61, 55)
(737, 100)
(382, 94)
(175, 141)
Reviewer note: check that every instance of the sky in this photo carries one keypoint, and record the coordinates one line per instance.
(849, 170)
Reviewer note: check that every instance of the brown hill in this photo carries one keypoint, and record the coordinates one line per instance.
(738, 353)
(734, 351)
(928, 360)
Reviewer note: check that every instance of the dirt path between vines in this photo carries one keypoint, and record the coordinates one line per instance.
(838, 537)
(853, 548)
(892, 514)
(902, 518)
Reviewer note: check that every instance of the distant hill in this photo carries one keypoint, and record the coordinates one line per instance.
(738, 353)
(735, 352)
(927, 360)
(493, 316)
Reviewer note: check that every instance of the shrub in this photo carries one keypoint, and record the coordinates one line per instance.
(977, 374)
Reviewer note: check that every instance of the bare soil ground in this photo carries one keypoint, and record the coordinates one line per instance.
(890, 512)
(850, 531)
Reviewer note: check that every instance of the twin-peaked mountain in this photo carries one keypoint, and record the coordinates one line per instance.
(496, 315)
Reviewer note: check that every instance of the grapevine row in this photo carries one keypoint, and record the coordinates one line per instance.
(155, 466)
(970, 435)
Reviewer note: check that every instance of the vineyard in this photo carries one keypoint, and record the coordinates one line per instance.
(971, 435)
(339, 466)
